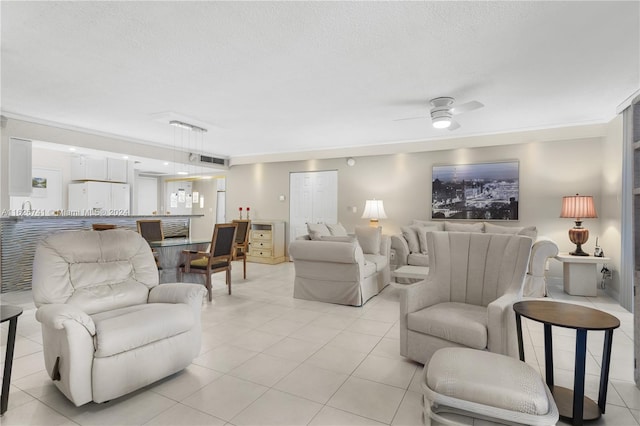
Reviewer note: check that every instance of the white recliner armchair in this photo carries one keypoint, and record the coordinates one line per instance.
(108, 328)
(467, 298)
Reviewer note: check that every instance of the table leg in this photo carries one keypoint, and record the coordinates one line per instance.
(548, 355)
(8, 364)
(519, 333)
(604, 370)
(578, 377)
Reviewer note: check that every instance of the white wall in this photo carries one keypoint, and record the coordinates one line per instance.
(202, 227)
(610, 211)
(548, 171)
(553, 163)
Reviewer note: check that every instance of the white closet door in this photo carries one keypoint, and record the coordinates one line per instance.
(313, 198)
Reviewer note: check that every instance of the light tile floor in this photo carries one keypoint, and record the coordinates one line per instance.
(270, 359)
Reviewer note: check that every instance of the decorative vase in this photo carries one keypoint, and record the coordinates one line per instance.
(240, 210)
(247, 213)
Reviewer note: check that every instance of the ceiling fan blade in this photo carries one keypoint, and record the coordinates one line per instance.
(454, 125)
(410, 118)
(469, 106)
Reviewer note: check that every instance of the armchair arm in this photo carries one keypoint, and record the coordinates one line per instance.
(414, 297)
(190, 294)
(417, 296)
(385, 246)
(399, 244)
(55, 315)
(67, 334)
(177, 293)
(535, 281)
(501, 325)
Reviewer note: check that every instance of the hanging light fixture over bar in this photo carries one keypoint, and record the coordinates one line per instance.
(187, 126)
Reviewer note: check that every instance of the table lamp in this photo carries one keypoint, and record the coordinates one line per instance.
(578, 207)
(374, 210)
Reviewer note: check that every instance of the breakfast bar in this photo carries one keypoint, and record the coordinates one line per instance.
(19, 236)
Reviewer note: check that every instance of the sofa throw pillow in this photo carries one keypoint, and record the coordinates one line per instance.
(422, 236)
(317, 230)
(339, 238)
(463, 227)
(336, 229)
(529, 231)
(369, 238)
(410, 234)
(438, 225)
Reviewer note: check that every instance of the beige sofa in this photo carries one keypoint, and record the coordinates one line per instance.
(411, 249)
(347, 270)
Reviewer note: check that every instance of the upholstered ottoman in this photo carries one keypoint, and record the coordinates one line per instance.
(461, 384)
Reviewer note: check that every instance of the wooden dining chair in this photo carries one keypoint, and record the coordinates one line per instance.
(217, 259)
(102, 226)
(151, 230)
(241, 246)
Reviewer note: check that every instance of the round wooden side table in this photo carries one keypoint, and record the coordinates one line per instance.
(11, 314)
(572, 404)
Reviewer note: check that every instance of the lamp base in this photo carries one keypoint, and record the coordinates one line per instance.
(578, 236)
(374, 223)
(578, 251)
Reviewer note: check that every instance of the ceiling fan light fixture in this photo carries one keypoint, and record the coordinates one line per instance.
(441, 122)
(441, 118)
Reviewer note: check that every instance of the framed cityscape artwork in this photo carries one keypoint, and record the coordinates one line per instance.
(483, 191)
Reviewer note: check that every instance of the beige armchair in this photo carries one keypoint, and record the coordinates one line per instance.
(108, 328)
(467, 298)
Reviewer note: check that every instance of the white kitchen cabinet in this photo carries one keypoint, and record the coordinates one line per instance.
(105, 198)
(19, 167)
(98, 169)
(116, 170)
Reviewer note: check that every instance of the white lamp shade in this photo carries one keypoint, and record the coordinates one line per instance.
(374, 209)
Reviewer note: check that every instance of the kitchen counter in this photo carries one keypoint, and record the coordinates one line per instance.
(20, 234)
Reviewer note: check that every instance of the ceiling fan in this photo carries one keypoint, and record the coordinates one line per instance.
(442, 112)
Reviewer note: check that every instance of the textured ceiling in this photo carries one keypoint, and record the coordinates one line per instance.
(278, 77)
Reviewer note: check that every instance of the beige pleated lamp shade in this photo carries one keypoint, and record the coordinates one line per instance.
(578, 207)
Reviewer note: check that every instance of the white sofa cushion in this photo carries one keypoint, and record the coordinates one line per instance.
(317, 230)
(438, 225)
(529, 231)
(463, 227)
(410, 233)
(369, 238)
(339, 239)
(154, 321)
(336, 229)
(460, 323)
(422, 236)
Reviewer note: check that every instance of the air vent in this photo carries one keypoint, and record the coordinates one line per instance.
(211, 160)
